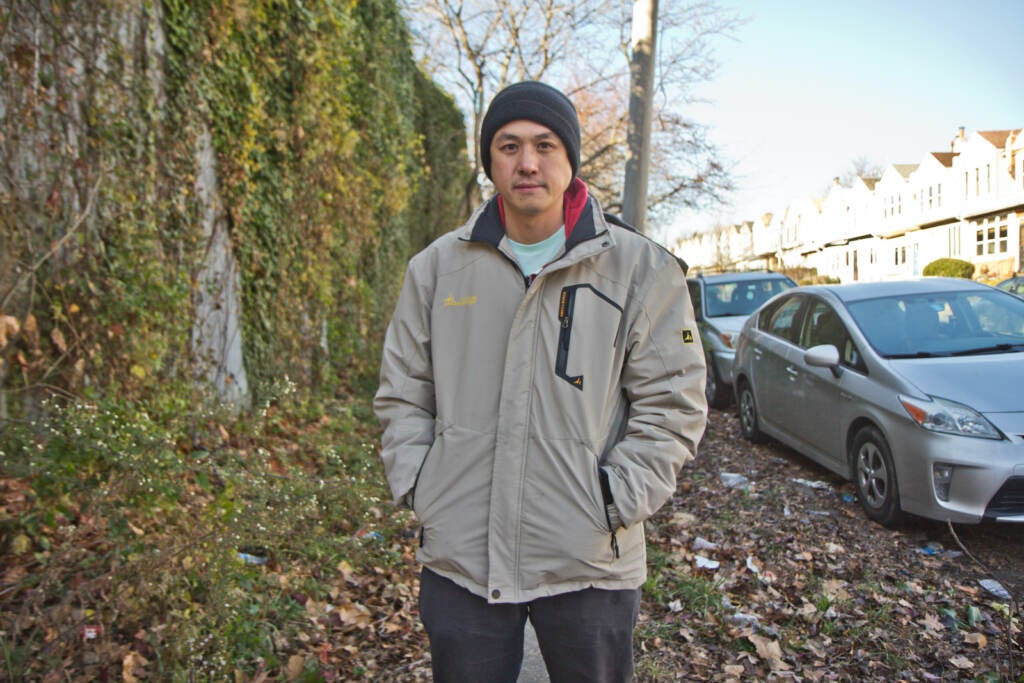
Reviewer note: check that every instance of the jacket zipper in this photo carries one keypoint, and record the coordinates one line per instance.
(566, 304)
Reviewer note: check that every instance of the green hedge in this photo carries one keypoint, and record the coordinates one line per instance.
(949, 267)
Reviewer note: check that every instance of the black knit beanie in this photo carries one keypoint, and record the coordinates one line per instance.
(537, 102)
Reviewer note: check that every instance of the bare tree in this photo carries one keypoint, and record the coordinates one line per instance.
(473, 48)
(860, 167)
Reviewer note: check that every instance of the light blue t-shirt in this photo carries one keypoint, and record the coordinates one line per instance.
(533, 257)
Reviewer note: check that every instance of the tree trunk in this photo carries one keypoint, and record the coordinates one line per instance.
(641, 95)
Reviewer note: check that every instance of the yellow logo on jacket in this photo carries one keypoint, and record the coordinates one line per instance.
(464, 301)
(687, 335)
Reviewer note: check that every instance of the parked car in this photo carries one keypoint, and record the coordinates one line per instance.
(1013, 285)
(722, 303)
(910, 389)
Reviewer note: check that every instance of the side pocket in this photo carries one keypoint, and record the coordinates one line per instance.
(568, 302)
(439, 431)
(609, 508)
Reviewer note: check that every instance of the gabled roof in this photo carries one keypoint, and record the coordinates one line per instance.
(905, 169)
(869, 182)
(996, 138)
(945, 158)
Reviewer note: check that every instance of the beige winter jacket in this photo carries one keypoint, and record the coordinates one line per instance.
(501, 401)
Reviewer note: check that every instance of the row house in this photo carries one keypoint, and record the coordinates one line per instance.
(965, 203)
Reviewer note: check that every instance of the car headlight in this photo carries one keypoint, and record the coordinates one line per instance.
(949, 417)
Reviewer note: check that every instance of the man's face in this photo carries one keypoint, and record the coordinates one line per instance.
(531, 171)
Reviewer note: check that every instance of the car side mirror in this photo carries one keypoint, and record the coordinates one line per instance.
(824, 356)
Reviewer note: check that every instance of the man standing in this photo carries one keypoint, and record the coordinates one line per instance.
(541, 386)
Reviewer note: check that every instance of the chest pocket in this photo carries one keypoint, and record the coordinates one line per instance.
(589, 323)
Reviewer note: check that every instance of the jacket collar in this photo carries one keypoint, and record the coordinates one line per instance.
(580, 224)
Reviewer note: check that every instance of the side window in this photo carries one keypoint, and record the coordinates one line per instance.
(781, 319)
(718, 299)
(694, 288)
(992, 317)
(822, 325)
(764, 316)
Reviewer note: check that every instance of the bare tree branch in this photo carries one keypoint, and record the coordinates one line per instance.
(473, 48)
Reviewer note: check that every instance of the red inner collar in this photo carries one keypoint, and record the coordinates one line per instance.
(573, 203)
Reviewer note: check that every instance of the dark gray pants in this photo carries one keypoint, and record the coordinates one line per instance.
(585, 635)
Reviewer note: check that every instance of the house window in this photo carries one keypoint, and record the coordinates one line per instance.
(967, 184)
(930, 200)
(938, 195)
(992, 237)
(988, 178)
(977, 182)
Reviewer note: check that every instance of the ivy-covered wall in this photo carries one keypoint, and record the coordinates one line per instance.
(336, 160)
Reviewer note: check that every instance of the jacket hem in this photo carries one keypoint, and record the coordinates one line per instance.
(545, 591)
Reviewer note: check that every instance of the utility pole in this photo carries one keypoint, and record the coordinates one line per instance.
(641, 97)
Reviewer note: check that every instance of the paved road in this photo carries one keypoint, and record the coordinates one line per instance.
(533, 670)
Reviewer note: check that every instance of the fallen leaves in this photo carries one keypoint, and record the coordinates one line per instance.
(811, 590)
(797, 585)
(770, 651)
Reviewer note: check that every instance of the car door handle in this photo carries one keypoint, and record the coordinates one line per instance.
(758, 352)
(793, 372)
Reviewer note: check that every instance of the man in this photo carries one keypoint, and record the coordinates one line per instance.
(541, 386)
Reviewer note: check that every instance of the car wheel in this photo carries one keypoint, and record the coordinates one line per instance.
(875, 477)
(715, 390)
(748, 414)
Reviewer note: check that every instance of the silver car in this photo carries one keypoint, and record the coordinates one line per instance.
(722, 303)
(913, 390)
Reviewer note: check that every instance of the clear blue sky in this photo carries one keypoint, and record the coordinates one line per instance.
(806, 87)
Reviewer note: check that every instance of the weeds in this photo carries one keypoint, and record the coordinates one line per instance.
(188, 562)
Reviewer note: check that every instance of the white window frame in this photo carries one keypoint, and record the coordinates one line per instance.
(992, 236)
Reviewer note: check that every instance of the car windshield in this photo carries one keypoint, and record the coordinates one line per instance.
(743, 297)
(957, 323)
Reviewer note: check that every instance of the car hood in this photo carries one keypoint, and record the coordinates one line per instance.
(728, 323)
(989, 383)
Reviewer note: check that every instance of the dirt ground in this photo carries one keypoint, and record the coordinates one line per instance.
(815, 591)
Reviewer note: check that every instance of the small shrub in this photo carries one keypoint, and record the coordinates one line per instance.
(949, 267)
